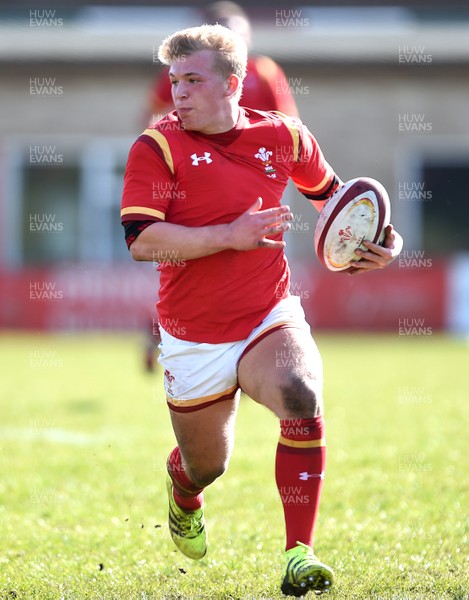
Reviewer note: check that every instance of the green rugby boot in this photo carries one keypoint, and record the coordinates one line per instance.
(187, 528)
(304, 573)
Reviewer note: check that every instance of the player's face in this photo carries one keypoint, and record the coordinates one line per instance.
(203, 98)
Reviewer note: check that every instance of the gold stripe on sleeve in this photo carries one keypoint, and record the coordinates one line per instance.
(296, 139)
(295, 134)
(143, 210)
(163, 144)
(316, 188)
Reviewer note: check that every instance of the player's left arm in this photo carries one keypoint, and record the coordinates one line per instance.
(312, 174)
(316, 180)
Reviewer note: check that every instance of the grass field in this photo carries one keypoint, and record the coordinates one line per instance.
(84, 434)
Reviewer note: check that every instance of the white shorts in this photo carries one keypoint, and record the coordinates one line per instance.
(197, 375)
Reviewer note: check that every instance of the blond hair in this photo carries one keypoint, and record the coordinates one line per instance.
(230, 50)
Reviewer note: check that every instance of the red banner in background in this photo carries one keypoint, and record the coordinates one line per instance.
(121, 297)
(78, 297)
(382, 300)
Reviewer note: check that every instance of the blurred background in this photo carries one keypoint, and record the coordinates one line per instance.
(384, 88)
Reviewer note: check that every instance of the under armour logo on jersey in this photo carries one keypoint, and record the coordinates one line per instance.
(196, 159)
(305, 475)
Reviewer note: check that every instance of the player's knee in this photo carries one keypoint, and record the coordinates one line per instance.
(202, 476)
(301, 396)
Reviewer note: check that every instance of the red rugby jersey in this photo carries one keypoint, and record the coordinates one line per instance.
(194, 179)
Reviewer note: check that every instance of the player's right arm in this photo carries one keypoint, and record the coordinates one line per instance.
(149, 237)
(247, 232)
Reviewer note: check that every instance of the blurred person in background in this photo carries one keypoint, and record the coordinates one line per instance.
(265, 88)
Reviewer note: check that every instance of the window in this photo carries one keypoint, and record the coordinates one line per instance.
(63, 200)
(50, 214)
(446, 216)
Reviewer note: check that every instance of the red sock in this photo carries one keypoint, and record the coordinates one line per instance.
(186, 494)
(299, 472)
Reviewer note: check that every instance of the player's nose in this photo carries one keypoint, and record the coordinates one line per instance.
(182, 91)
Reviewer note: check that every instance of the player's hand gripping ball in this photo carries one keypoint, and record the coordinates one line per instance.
(359, 210)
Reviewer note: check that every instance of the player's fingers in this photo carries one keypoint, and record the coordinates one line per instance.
(388, 229)
(270, 230)
(393, 241)
(282, 212)
(272, 244)
(391, 247)
(390, 232)
(255, 208)
(355, 271)
(365, 265)
(372, 258)
(277, 222)
(269, 214)
(375, 248)
(379, 254)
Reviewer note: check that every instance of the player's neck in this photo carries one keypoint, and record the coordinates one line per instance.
(226, 122)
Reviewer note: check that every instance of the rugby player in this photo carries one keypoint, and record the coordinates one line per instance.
(224, 307)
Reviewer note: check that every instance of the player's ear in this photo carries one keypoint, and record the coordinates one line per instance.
(233, 82)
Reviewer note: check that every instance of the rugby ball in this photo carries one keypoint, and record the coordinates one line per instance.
(358, 210)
